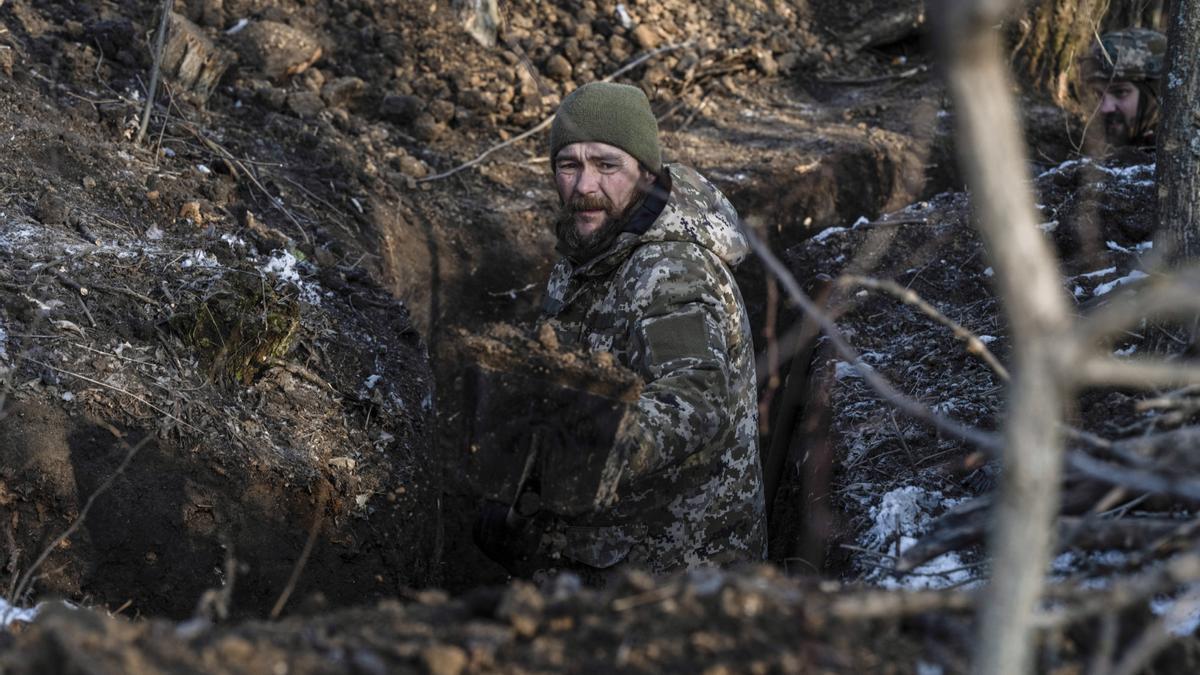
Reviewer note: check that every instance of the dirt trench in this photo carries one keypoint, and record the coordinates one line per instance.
(800, 132)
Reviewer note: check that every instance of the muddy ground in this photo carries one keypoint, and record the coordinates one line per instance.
(231, 353)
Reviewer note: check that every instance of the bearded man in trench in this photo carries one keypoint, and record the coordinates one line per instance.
(647, 250)
(1123, 73)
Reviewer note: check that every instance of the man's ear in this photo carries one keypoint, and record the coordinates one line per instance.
(646, 179)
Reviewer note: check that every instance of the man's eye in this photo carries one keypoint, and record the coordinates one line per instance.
(608, 166)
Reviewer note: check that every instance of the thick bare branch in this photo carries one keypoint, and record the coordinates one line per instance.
(1139, 373)
(1175, 296)
(991, 149)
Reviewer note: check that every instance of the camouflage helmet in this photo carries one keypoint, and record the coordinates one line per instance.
(1132, 54)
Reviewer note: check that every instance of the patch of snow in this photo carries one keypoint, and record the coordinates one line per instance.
(989, 272)
(1128, 172)
(285, 267)
(1098, 273)
(11, 613)
(1183, 621)
(862, 220)
(1049, 226)
(944, 407)
(13, 233)
(203, 169)
(1078, 291)
(1102, 289)
(843, 370)
(372, 381)
(3, 343)
(1114, 246)
(1069, 164)
(153, 234)
(1128, 351)
(623, 16)
(926, 668)
(68, 396)
(987, 339)
(198, 258)
(902, 515)
(1144, 246)
(874, 358)
(904, 511)
(827, 232)
(237, 27)
(233, 241)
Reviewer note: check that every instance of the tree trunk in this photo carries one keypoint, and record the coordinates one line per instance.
(1051, 37)
(1179, 137)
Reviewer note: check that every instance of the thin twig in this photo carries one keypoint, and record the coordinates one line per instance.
(881, 386)
(159, 41)
(546, 122)
(908, 296)
(298, 568)
(119, 390)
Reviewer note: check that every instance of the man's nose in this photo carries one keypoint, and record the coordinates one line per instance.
(588, 181)
(1108, 103)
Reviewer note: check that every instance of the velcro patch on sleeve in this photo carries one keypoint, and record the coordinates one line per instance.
(668, 340)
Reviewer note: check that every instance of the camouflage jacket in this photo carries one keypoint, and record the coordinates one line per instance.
(666, 305)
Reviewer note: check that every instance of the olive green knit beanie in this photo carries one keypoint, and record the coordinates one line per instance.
(606, 112)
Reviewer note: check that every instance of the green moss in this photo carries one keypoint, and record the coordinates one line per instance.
(241, 329)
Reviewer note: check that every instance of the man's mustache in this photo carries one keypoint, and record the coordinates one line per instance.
(590, 203)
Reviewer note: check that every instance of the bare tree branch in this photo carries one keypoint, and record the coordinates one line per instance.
(1175, 296)
(1139, 373)
(908, 296)
(881, 386)
(991, 150)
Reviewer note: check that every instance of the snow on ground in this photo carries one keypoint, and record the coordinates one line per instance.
(286, 267)
(899, 518)
(11, 613)
(1107, 287)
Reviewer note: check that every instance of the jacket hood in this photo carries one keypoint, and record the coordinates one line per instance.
(695, 211)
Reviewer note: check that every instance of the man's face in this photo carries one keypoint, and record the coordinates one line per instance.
(597, 182)
(1117, 104)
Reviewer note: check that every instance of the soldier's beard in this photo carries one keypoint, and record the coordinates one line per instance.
(581, 247)
(1116, 129)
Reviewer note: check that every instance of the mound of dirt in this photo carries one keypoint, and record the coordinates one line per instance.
(708, 622)
(272, 396)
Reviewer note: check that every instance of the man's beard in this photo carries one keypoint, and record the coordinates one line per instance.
(1116, 130)
(583, 247)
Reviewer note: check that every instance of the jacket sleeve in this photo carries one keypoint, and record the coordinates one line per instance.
(678, 346)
